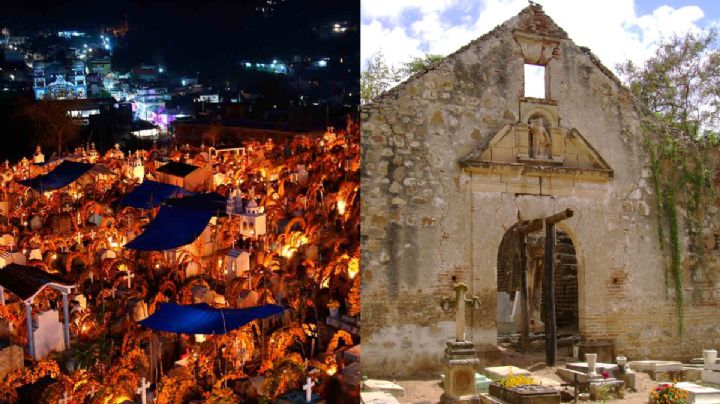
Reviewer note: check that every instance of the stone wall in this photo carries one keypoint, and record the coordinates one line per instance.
(427, 222)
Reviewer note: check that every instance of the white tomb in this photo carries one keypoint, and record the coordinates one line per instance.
(39, 157)
(11, 257)
(35, 254)
(699, 394)
(253, 220)
(137, 169)
(48, 336)
(237, 262)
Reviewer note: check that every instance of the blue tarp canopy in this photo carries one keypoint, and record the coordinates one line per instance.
(150, 194)
(173, 227)
(210, 201)
(204, 319)
(61, 176)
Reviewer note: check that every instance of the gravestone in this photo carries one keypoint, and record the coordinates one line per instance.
(48, 335)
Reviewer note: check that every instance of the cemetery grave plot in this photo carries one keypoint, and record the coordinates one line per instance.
(259, 261)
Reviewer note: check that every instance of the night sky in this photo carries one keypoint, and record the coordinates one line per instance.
(188, 36)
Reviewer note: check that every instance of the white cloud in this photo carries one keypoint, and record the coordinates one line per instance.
(612, 30)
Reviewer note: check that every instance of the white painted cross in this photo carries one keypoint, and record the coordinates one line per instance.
(129, 276)
(142, 390)
(65, 399)
(308, 389)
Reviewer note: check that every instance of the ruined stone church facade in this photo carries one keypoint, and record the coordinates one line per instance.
(457, 155)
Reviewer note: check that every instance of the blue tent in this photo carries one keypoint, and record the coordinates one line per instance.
(150, 194)
(204, 319)
(209, 201)
(61, 176)
(172, 228)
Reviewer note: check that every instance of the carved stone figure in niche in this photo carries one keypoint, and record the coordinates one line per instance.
(539, 138)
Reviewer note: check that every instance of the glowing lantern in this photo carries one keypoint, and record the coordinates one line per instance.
(341, 206)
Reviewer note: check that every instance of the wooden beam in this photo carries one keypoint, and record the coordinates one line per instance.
(530, 226)
(560, 216)
(524, 303)
(549, 296)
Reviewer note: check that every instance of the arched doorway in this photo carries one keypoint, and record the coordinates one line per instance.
(509, 266)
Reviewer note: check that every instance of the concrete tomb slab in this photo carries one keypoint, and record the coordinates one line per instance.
(711, 376)
(699, 394)
(600, 367)
(498, 372)
(655, 366)
(385, 386)
(377, 397)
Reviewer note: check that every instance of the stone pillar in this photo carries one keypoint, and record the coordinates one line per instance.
(2, 295)
(28, 324)
(66, 321)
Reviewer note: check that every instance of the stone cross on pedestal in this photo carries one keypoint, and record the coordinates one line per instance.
(142, 390)
(308, 389)
(460, 301)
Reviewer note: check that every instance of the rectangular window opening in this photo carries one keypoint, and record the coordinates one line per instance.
(534, 81)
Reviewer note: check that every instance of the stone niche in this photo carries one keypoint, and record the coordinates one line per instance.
(537, 155)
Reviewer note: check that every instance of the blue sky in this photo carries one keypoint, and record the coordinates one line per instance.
(616, 30)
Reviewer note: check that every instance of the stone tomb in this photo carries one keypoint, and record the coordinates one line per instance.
(388, 387)
(48, 335)
(600, 367)
(377, 397)
(699, 394)
(498, 372)
(528, 394)
(482, 383)
(660, 370)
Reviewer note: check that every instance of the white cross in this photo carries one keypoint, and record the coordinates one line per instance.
(129, 276)
(65, 398)
(142, 390)
(308, 389)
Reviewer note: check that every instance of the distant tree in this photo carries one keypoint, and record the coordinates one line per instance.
(52, 124)
(680, 84)
(377, 78)
(418, 64)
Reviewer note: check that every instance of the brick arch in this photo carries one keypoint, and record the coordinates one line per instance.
(567, 279)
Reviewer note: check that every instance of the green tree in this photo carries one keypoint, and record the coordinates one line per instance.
(377, 78)
(418, 64)
(52, 123)
(680, 84)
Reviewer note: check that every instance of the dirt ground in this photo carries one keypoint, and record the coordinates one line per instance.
(429, 391)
